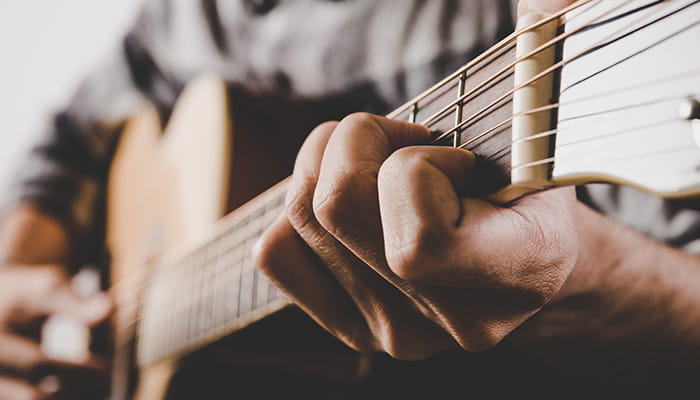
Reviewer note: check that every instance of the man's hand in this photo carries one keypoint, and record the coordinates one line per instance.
(28, 296)
(382, 246)
(33, 287)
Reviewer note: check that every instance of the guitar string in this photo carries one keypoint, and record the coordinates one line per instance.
(239, 268)
(679, 76)
(511, 66)
(143, 271)
(597, 96)
(547, 71)
(508, 41)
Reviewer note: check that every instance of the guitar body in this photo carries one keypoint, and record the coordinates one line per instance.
(169, 188)
(165, 191)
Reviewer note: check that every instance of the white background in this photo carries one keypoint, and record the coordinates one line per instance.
(46, 46)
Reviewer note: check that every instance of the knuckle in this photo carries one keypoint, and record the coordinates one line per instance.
(49, 278)
(330, 208)
(542, 289)
(263, 254)
(400, 340)
(401, 164)
(326, 126)
(481, 338)
(299, 208)
(358, 119)
(411, 260)
(407, 157)
(402, 346)
(355, 341)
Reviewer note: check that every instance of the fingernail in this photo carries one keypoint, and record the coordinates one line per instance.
(49, 384)
(98, 306)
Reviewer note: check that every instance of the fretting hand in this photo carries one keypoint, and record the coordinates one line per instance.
(380, 245)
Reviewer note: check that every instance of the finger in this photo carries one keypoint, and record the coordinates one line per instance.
(24, 356)
(294, 268)
(15, 389)
(432, 235)
(392, 318)
(19, 355)
(421, 210)
(48, 291)
(345, 199)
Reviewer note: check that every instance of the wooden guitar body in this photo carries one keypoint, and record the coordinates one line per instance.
(165, 191)
(170, 190)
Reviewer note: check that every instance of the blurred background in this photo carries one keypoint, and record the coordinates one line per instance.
(46, 47)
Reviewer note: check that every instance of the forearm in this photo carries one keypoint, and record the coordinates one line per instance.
(28, 236)
(628, 298)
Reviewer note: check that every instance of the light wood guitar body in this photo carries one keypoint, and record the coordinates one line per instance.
(169, 192)
(165, 191)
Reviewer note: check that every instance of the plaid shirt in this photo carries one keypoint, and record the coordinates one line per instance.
(382, 52)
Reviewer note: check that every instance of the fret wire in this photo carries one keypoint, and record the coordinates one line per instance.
(486, 132)
(457, 138)
(414, 112)
(233, 287)
(238, 284)
(597, 96)
(254, 294)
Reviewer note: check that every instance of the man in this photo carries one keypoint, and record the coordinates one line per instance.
(631, 299)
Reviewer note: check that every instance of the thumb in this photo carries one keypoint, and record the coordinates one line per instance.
(90, 310)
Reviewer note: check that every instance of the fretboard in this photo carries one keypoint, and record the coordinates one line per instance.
(214, 289)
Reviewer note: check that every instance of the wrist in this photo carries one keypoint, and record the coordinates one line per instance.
(599, 250)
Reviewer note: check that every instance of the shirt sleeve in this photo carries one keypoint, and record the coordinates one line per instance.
(64, 174)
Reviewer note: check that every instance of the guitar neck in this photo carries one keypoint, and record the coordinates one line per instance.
(204, 293)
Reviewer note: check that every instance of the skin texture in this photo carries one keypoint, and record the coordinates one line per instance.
(33, 286)
(383, 247)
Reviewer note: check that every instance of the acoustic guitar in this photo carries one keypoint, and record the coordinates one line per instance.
(603, 91)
